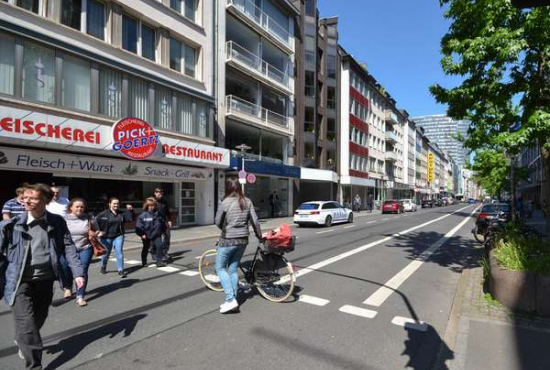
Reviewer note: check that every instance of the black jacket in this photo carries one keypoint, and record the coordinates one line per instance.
(150, 224)
(163, 209)
(112, 225)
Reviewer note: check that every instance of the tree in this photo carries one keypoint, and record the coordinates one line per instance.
(503, 55)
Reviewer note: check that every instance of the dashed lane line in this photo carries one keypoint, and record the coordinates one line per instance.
(358, 311)
(326, 231)
(350, 226)
(384, 219)
(189, 273)
(409, 323)
(371, 222)
(313, 300)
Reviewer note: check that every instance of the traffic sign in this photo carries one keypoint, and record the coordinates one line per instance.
(242, 174)
(251, 178)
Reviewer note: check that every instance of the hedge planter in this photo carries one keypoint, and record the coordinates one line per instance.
(520, 290)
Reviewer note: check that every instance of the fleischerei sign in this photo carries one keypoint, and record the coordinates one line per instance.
(134, 138)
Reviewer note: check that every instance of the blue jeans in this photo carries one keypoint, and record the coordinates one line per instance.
(227, 264)
(109, 244)
(67, 278)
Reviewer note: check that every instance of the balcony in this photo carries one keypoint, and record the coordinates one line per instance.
(391, 157)
(391, 137)
(253, 65)
(391, 118)
(256, 18)
(243, 110)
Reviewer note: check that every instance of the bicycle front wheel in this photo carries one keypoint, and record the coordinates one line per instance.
(207, 270)
(274, 277)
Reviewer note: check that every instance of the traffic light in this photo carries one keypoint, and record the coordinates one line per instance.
(522, 4)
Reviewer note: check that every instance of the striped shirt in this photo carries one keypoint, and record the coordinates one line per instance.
(13, 207)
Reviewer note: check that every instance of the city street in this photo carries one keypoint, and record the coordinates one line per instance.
(375, 294)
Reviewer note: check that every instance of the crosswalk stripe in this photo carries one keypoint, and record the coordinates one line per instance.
(410, 323)
(358, 311)
(168, 269)
(212, 278)
(132, 262)
(189, 273)
(313, 300)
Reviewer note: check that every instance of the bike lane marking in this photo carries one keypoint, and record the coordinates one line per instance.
(409, 323)
(189, 273)
(358, 311)
(313, 300)
(319, 265)
(385, 291)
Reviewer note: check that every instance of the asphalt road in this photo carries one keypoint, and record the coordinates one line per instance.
(375, 294)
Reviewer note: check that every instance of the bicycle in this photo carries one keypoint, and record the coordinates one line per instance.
(271, 273)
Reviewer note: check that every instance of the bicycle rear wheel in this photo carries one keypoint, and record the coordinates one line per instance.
(274, 277)
(207, 270)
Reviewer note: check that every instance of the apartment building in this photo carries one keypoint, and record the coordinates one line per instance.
(256, 98)
(111, 98)
(530, 189)
(317, 104)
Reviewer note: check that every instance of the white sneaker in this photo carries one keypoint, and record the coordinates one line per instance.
(19, 352)
(229, 306)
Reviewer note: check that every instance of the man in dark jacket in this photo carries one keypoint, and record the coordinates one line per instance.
(30, 248)
(163, 208)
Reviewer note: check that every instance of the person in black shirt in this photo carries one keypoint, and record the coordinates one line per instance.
(164, 210)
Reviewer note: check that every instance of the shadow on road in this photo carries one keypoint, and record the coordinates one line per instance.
(71, 347)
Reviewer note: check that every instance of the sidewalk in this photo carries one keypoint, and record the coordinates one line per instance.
(196, 233)
(484, 335)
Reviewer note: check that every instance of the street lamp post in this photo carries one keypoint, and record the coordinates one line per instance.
(243, 148)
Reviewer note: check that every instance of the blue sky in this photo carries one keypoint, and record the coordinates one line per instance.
(400, 42)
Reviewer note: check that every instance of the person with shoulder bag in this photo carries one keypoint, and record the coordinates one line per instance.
(233, 217)
(82, 232)
(150, 227)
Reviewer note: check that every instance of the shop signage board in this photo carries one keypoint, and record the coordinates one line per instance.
(19, 126)
(431, 167)
(134, 138)
(95, 167)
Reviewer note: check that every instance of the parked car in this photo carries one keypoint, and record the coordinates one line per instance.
(409, 205)
(445, 201)
(438, 202)
(427, 203)
(322, 213)
(492, 211)
(394, 206)
(471, 201)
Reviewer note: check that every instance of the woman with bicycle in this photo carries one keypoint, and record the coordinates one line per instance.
(234, 215)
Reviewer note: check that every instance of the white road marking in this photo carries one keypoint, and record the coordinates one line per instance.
(132, 262)
(112, 259)
(378, 297)
(350, 226)
(319, 265)
(313, 300)
(189, 273)
(371, 222)
(410, 323)
(385, 219)
(198, 257)
(212, 278)
(168, 269)
(326, 231)
(358, 311)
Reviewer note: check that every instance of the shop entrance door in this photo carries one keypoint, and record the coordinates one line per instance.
(187, 207)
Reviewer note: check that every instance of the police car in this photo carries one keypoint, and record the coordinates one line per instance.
(322, 213)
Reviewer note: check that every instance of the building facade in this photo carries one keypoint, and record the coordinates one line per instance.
(77, 73)
(530, 189)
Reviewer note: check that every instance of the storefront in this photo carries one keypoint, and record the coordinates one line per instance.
(397, 190)
(82, 158)
(316, 185)
(352, 186)
(267, 178)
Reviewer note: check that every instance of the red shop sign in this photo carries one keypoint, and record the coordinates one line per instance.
(134, 138)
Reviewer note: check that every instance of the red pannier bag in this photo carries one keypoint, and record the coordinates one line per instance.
(280, 240)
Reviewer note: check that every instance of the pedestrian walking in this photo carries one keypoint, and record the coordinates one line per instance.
(233, 218)
(30, 247)
(81, 228)
(15, 206)
(163, 208)
(370, 203)
(357, 203)
(111, 225)
(273, 203)
(58, 204)
(150, 227)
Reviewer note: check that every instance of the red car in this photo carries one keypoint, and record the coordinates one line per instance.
(394, 206)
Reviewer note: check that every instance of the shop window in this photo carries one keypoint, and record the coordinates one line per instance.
(138, 93)
(129, 34)
(148, 42)
(75, 84)
(30, 5)
(7, 64)
(185, 7)
(182, 57)
(184, 116)
(163, 106)
(38, 73)
(95, 19)
(70, 13)
(110, 93)
(187, 211)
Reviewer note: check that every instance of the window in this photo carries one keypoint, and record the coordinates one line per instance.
(331, 66)
(331, 157)
(7, 64)
(202, 119)
(309, 151)
(184, 117)
(163, 107)
(147, 42)
(96, 19)
(70, 13)
(182, 57)
(129, 34)
(30, 5)
(185, 7)
(331, 129)
(75, 84)
(331, 98)
(138, 93)
(110, 93)
(310, 8)
(310, 84)
(309, 124)
(38, 73)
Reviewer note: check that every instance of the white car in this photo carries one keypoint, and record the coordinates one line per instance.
(409, 205)
(322, 213)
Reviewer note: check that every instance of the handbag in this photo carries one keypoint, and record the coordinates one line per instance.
(98, 248)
